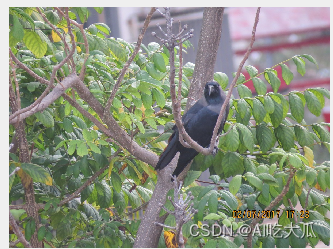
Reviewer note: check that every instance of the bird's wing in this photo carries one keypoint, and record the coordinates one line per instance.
(194, 110)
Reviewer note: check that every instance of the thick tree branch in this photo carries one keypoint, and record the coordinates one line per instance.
(208, 45)
(128, 63)
(148, 233)
(45, 101)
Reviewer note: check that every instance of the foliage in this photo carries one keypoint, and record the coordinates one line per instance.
(267, 142)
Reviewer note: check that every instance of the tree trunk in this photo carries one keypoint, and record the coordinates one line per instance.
(207, 50)
(148, 233)
(29, 192)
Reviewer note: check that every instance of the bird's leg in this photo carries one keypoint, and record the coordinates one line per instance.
(215, 150)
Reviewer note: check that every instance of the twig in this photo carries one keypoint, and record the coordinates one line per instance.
(307, 199)
(224, 106)
(170, 43)
(14, 243)
(292, 208)
(17, 231)
(138, 208)
(271, 206)
(87, 183)
(14, 171)
(127, 64)
(183, 211)
(80, 26)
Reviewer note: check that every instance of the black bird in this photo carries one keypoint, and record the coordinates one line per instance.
(199, 122)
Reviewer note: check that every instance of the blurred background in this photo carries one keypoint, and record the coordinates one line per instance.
(282, 32)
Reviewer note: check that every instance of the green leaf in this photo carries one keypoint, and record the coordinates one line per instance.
(285, 136)
(17, 30)
(260, 86)
(52, 16)
(103, 27)
(277, 115)
(269, 104)
(30, 228)
(99, 10)
(191, 177)
(265, 137)
(87, 135)
(313, 103)
(213, 203)
(63, 230)
(295, 161)
(258, 110)
(310, 58)
(287, 75)
(117, 50)
(83, 13)
(45, 118)
(159, 62)
(79, 122)
(321, 132)
(246, 137)
(94, 147)
(82, 149)
(235, 184)
(268, 242)
(159, 97)
(212, 216)
(254, 180)
(321, 180)
(303, 136)
(35, 44)
(87, 192)
(319, 96)
(322, 229)
(242, 107)
(116, 181)
(41, 233)
(222, 79)
(296, 107)
(232, 140)
(229, 198)
(273, 80)
(251, 70)
(300, 64)
(244, 91)
(146, 100)
(232, 164)
(37, 173)
(103, 194)
(153, 72)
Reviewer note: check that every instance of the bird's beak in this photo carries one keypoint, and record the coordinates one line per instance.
(210, 90)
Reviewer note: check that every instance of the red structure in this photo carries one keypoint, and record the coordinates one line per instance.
(311, 25)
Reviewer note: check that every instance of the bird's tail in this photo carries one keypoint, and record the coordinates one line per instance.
(168, 154)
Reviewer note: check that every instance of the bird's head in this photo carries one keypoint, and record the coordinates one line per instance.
(213, 92)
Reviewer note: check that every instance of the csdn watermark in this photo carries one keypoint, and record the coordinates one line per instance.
(261, 230)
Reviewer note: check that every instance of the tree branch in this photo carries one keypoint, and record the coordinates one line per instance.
(127, 64)
(224, 106)
(148, 234)
(17, 231)
(45, 101)
(271, 206)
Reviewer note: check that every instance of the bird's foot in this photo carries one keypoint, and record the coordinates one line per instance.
(214, 152)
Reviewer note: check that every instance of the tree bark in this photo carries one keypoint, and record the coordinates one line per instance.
(207, 50)
(29, 192)
(148, 232)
